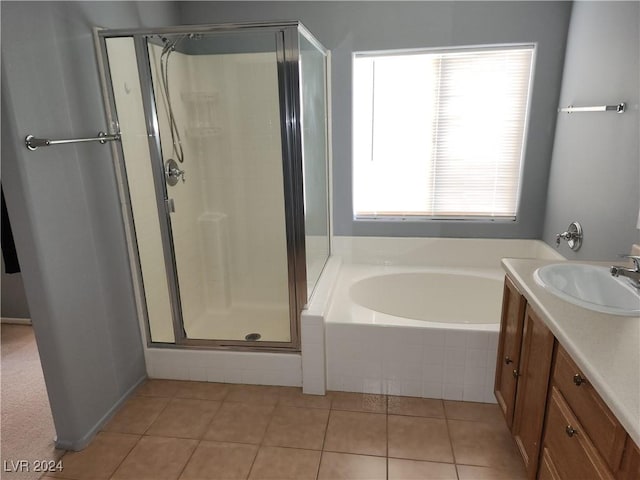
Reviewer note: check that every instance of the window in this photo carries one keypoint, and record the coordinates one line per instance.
(439, 135)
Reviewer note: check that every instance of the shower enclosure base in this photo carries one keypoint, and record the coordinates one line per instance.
(239, 321)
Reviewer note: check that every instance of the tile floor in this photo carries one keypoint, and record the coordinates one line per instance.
(198, 431)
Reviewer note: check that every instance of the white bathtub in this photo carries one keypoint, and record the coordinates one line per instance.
(417, 317)
(416, 331)
(411, 296)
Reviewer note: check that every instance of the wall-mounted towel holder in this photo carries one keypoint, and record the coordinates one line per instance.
(619, 108)
(32, 143)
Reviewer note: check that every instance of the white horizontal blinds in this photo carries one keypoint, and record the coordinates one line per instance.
(481, 113)
(394, 97)
(439, 134)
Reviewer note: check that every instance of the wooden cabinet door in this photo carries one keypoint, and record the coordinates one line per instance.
(508, 361)
(533, 384)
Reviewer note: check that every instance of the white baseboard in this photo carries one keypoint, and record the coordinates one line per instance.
(16, 321)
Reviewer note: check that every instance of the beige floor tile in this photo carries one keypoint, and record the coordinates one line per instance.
(345, 466)
(293, 397)
(240, 422)
(159, 388)
(419, 438)
(203, 390)
(100, 459)
(417, 407)
(473, 412)
(357, 432)
(358, 402)
(285, 463)
(137, 414)
(468, 472)
(253, 394)
(219, 460)
(297, 427)
(484, 444)
(416, 470)
(184, 418)
(156, 458)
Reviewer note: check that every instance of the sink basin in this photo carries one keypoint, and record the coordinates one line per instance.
(591, 287)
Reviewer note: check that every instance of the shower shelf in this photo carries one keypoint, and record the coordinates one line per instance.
(201, 113)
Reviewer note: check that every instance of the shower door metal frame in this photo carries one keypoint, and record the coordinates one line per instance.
(287, 52)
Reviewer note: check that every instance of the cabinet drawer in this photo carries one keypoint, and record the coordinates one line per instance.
(598, 422)
(565, 439)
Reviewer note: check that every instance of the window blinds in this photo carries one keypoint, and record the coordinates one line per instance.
(440, 135)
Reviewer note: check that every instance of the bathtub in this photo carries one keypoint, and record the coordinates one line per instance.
(414, 331)
(413, 317)
(420, 297)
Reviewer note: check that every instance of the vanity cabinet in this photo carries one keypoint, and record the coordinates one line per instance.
(597, 421)
(522, 373)
(531, 392)
(567, 448)
(509, 345)
(562, 428)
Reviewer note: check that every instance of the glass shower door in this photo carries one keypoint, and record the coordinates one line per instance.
(218, 110)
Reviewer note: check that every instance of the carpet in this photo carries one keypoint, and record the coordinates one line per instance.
(26, 429)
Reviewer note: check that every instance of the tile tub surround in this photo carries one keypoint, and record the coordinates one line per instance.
(417, 362)
(338, 435)
(376, 353)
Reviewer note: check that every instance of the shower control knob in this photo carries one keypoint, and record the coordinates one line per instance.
(172, 172)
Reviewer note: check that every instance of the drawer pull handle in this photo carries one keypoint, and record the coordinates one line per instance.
(578, 379)
(515, 374)
(570, 431)
(507, 360)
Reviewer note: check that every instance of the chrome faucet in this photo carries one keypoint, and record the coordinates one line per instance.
(573, 236)
(633, 274)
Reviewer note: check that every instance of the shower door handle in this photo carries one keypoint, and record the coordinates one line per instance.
(171, 205)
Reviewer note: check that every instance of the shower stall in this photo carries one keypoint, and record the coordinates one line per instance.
(223, 176)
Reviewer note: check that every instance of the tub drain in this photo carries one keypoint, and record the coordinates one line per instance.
(252, 337)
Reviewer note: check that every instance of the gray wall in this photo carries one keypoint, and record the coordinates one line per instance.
(345, 27)
(64, 206)
(596, 156)
(14, 301)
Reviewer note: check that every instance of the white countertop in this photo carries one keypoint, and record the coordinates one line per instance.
(605, 347)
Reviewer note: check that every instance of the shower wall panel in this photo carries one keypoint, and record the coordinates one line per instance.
(242, 174)
(126, 88)
(187, 196)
